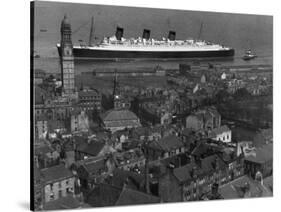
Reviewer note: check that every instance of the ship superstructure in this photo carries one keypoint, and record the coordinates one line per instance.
(117, 46)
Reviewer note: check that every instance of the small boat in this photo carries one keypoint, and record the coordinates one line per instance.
(35, 54)
(249, 55)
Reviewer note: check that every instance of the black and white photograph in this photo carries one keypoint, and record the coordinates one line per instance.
(137, 105)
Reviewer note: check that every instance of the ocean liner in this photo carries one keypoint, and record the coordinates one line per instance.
(118, 47)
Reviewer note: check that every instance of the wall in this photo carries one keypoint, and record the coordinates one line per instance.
(57, 187)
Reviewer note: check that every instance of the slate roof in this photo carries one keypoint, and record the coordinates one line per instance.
(237, 189)
(263, 154)
(206, 165)
(167, 143)
(88, 93)
(188, 132)
(200, 149)
(44, 149)
(120, 177)
(103, 195)
(116, 115)
(133, 197)
(80, 142)
(123, 123)
(183, 173)
(93, 165)
(68, 202)
(93, 148)
(56, 173)
(108, 195)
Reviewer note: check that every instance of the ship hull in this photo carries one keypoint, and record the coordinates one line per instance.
(115, 54)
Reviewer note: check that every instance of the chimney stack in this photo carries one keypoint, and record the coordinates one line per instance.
(119, 33)
(146, 34)
(172, 35)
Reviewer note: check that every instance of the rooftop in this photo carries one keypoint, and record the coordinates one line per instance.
(262, 155)
(243, 187)
(92, 148)
(133, 197)
(56, 173)
(167, 143)
(108, 195)
(118, 115)
(202, 167)
(68, 202)
(94, 165)
(183, 173)
(121, 176)
(87, 93)
(128, 156)
(219, 130)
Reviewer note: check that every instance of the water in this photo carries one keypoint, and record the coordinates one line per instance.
(52, 65)
(238, 31)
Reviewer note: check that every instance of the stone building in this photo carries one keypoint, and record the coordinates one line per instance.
(79, 121)
(164, 148)
(58, 183)
(205, 119)
(222, 133)
(67, 59)
(41, 126)
(261, 161)
(115, 120)
(89, 100)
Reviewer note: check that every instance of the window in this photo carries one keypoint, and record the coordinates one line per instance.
(51, 186)
(52, 196)
(194, 190)
(60, 193)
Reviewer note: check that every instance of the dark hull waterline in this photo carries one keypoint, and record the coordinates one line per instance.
(111, 54)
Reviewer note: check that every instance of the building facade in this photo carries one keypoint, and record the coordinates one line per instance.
(79, 121)
(89, 100)
(58, 183)
(41, 127)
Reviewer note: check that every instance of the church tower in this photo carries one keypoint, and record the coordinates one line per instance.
(119, 100)
(67, 60)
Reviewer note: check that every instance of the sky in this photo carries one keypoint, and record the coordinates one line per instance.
(239, 31)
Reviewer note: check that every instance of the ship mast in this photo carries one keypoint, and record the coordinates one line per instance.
(91, 32)
(200, 31)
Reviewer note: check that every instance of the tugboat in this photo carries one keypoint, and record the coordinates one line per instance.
(35, 54)
(249, 55)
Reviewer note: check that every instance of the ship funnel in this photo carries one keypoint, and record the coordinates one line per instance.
(172, 35)
(146, 34)
(119, 33)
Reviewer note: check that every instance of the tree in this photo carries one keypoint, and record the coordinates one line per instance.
(222, 96)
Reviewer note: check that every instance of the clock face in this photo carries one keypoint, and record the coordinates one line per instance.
(67, 51)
